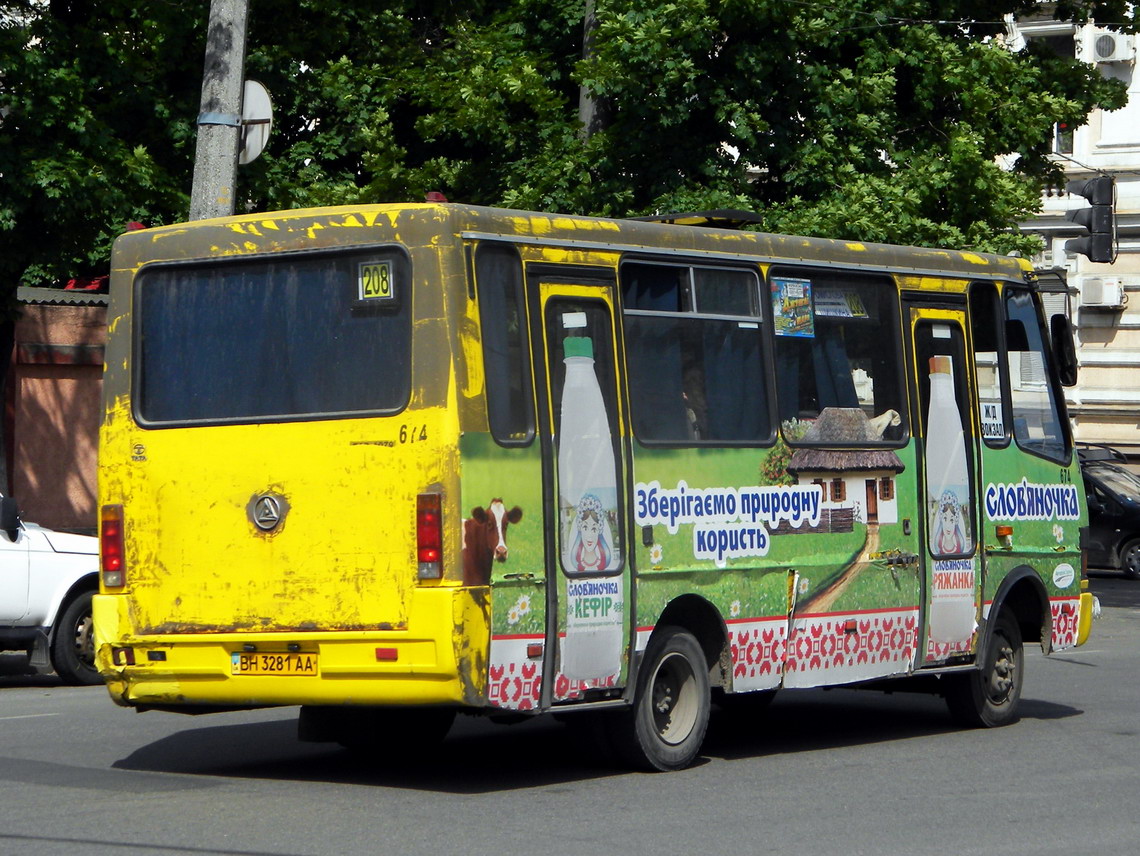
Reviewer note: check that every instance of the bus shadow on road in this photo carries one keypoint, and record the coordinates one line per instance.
(814, 720)
(476, 757)
(479, 756)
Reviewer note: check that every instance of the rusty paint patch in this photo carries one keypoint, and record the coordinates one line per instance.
(470, 659)
(350, 221)
(934, 283)
(262, 625)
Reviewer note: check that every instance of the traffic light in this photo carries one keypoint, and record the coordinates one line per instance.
(1099, 218)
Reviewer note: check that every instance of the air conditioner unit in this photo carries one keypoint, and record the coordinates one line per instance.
(1111, 46)
(1102, 293)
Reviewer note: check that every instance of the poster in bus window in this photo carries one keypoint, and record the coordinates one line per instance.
(840, 303)
(792, 307)
(591, 551)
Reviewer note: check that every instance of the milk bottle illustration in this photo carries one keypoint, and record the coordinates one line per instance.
(952, 613)
(587, 486)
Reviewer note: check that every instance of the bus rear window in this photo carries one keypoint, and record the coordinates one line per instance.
(273, 338)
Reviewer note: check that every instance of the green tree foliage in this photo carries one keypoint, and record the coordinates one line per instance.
(97, 102)
(870, 119)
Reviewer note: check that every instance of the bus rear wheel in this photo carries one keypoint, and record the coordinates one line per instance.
(666, 727)
(988, 696)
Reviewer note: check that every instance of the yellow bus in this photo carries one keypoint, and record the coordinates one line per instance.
(393, 462)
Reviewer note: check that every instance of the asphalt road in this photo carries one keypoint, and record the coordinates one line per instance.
(839, 772)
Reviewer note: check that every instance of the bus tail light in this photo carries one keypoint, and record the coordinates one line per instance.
(429, 536)
(123, 656)
(113, 567)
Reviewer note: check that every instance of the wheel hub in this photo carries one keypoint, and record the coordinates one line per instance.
(1002, 676)
(674, 700)
(85, 641)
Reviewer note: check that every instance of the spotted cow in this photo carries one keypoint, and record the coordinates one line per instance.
(485, 540)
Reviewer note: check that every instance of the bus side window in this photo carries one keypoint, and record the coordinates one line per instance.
(838, 358)
(510, 411)
(694, 353)
(1037, 424)
(985, 329)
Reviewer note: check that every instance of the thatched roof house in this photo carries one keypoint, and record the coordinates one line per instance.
(844, 426)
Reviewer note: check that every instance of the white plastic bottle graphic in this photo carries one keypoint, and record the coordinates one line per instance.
(587, 487)
(952, 610)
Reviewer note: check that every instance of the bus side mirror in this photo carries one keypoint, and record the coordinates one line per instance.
(1064, 349)
(9, 517)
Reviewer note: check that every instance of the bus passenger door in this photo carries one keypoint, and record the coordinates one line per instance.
(948, 494)
(584, 466)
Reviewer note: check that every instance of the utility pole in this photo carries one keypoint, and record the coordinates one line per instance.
(588, 113)
(219, 120)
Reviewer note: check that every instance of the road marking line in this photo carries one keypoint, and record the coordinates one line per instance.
(27, 716)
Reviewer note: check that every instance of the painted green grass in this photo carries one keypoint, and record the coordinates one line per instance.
(749, 587)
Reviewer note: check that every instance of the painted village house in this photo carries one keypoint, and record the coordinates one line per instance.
(858, 484)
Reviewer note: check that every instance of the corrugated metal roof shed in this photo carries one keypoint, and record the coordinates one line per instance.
(59, 297)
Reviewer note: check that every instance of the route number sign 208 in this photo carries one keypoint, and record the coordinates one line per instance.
(375, 281)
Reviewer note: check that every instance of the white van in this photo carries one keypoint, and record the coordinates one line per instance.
(47, 579)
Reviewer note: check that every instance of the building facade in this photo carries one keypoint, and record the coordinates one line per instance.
(1102, 300)
(54, 406)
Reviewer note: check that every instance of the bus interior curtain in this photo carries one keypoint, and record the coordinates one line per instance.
(834, 383)
(654, 353)
(733, 383)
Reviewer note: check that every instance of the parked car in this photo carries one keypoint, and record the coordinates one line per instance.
(47, 579)
(1114, 510)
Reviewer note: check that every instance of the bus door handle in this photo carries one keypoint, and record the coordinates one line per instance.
(906, 559)
(894, 559)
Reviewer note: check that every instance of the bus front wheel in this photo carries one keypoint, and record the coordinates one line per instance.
(667, 724)
(988, 696)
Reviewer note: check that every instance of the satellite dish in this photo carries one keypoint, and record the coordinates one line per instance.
(256, 121)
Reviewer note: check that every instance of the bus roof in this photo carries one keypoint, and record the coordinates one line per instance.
(422, 223)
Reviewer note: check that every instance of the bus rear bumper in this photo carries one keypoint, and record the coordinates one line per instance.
(440, 659)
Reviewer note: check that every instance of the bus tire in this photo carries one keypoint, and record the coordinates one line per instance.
(670, 714)
(988, 697)
(73, 643)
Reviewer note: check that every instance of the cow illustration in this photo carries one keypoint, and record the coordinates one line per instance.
(485, 540)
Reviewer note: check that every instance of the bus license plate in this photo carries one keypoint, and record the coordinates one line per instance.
(273, 664)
